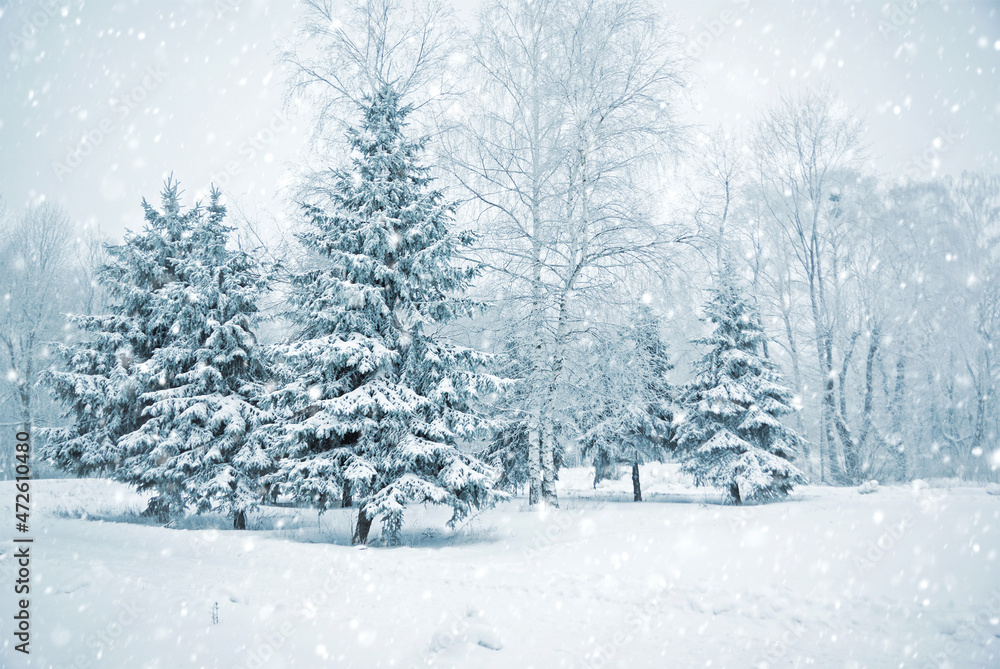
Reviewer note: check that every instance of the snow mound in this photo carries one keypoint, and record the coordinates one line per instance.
(463, 637)
(993, 489)
(920, 484)
(868, 487)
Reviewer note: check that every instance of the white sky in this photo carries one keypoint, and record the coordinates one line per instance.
(192, 87)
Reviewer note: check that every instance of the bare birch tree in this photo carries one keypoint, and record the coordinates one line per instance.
(805, 147)
(976, 197)
(573, 99)
(34, 261)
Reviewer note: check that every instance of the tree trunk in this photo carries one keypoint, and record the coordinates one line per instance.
(896, 438)
(824, 347)
(847, 440)
(535, 419)
(734, 492)
(345, 495)
(824, 327)
(240, 520)
(829, 467)
(869, 405)
(362, 528)
(547, 445)
(981, 384)
(534, 463)
(636, 487)
(549, 466)
(159, 508)
(830, 409)
(24, 388)
(535, 435)
(793, 353)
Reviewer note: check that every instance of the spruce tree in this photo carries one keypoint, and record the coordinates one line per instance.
(627, 419)
(375, 402)
(160, 388)
(731, 435)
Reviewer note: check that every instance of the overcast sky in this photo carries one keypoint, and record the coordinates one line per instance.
(100, 100)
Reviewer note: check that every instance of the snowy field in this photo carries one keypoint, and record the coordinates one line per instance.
(902, 577)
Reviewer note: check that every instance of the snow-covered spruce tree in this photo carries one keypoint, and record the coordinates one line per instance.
(730, 434)
(375, 403)
(160, 389)
(628, 413)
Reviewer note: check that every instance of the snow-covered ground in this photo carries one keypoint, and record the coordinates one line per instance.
(902, 577)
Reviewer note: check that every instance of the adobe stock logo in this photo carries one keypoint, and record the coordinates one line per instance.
(250, 147)
(33, 22)
(121, 109)
(897, 16)
(712, 29)
(929, 161)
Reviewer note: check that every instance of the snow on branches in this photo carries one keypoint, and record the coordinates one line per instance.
(729, 432)
(161, 388)
(374, 402)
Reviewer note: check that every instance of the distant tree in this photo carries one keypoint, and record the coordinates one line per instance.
(977, 217)
(507, 451)
(161, 388)
(35, 255)
(729, 433)
(90, 256)
(954, 225)
(807, 148)
(627, 418)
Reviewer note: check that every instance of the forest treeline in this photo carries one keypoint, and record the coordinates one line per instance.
(510, 254)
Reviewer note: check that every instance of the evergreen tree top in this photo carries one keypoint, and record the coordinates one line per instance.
(382, 135)
(383, 235)
(736, 319)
